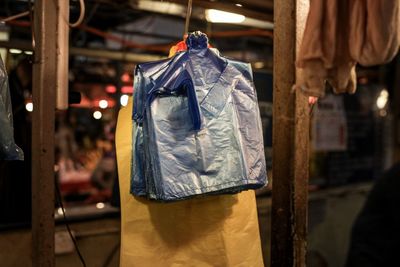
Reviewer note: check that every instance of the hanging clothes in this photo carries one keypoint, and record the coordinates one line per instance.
(197, 126)
(214, 231)
(324, 54)
(374, 31)
(8, 149)
(338, 34)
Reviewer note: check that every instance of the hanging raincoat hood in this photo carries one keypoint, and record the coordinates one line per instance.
(197, 126)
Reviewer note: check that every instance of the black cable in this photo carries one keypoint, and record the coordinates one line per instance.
(111, 255)
(58, 193)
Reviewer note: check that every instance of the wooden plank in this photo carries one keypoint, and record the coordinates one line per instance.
(290, 141)
(44, 84)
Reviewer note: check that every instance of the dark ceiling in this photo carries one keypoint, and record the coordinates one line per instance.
(106, 15)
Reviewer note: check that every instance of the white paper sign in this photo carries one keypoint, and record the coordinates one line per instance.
(330, 125)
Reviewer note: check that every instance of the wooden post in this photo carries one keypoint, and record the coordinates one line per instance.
(395, 106)
(290, 141)
(44, 96)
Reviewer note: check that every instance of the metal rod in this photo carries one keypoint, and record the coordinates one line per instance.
(92, 53)
(62, 56)
(44, 84)
(188, 15)
(290, 142)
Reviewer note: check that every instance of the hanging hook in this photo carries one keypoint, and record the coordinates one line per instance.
(188, 15)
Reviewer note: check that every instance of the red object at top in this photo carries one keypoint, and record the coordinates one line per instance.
(179, 47)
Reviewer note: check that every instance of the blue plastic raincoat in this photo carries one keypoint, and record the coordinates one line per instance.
(197, 127)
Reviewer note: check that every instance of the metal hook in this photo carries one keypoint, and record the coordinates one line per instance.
(188, 15)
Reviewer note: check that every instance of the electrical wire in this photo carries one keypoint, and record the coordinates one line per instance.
(110, 256)
(81, 15)
(16, 16)
(59, 199)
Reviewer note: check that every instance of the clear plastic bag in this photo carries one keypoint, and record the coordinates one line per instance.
(8, 149)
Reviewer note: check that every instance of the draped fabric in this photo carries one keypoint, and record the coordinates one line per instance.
(341, 33)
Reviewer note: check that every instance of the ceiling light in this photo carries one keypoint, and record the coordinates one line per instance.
(382, 99)
(100, 205)
(111, 89)
(60, 211)
(239, 5)
(15, 51)
(127, 89)
(124, 100)
(125, 77)
(259, 65)
(218, 16)
(103, 104)
(97, 115)
(29, 106)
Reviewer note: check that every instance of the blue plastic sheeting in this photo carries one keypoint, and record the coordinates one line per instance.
(8, 149)
(197, 127)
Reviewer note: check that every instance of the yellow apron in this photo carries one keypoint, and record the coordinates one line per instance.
(206, 231)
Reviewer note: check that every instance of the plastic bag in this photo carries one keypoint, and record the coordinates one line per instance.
(8, 149)
(197, 126)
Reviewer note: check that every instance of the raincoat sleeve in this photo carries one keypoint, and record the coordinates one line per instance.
(8, 149)
(138, 185)
(213, 231)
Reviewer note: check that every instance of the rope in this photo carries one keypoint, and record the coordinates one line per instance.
(188, 15)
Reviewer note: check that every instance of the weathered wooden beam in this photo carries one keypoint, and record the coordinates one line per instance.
(44, 96)
(290, 141)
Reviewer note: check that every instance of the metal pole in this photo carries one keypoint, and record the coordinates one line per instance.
(63, 55)
(44, 96)
(290, 141)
